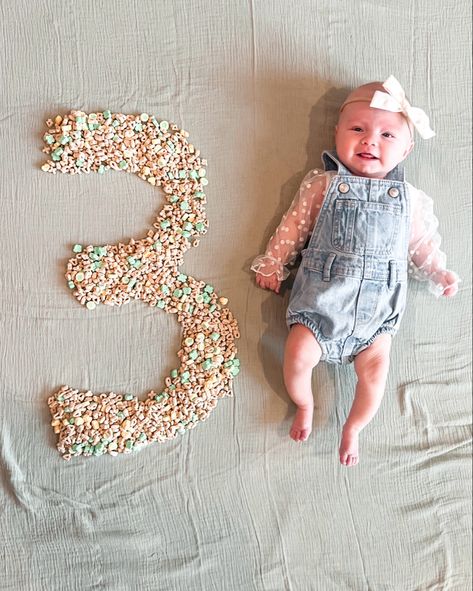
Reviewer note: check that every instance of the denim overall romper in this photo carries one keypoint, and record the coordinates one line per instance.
(351, 285)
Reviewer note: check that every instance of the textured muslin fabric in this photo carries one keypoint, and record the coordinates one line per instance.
(233, 504)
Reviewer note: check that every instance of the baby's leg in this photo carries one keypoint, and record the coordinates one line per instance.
(371, 366)
(301, 355)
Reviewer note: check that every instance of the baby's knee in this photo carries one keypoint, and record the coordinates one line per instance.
(302, 347)
(372, 364)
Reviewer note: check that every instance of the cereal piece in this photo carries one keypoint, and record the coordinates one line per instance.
(147, 269)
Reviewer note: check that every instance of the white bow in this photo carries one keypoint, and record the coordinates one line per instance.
(396, 102)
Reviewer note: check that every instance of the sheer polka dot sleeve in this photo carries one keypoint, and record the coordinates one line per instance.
(296, 225)
(427, 262)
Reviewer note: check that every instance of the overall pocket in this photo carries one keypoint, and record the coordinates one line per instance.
(361, 227)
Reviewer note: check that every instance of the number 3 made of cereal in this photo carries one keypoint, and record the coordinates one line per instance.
(147, 269)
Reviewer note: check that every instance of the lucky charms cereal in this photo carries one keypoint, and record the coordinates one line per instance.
(147, 269)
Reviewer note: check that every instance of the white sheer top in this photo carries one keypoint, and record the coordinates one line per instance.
(426, 261)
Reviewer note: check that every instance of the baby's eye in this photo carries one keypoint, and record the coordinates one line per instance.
(387, 134)
(356, 129)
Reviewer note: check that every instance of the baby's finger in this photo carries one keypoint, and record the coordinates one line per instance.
(450, 291)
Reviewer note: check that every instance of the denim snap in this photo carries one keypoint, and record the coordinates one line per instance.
(352, 282)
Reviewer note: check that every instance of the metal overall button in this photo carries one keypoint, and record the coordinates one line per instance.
(343, 188)
(393, 192)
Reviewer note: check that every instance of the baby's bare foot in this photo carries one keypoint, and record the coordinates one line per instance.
(302, 424)
(349, 448)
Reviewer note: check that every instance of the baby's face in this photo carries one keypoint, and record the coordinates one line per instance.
(371, 142)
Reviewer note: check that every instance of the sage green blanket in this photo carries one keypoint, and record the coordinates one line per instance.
(233, 504)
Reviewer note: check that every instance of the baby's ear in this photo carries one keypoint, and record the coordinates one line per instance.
(409, 149)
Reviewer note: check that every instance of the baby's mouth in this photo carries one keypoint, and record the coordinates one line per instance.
(367, 156)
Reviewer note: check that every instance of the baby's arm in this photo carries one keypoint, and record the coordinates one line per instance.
(428, 262)
(291, 234)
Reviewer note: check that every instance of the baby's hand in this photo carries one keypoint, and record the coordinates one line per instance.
(271, 282)
(449, 281)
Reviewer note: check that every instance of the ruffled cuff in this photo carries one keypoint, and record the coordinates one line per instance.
(266, 265)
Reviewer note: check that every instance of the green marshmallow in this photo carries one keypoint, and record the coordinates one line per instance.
(77, 248)
(182, 277)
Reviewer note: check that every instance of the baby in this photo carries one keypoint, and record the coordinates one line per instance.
(369, 229)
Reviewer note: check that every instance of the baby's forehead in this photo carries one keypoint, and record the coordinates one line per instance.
(362, 111)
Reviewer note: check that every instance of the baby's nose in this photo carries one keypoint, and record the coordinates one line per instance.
(369, 138)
